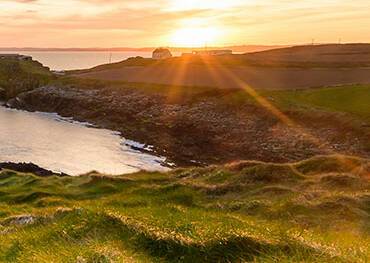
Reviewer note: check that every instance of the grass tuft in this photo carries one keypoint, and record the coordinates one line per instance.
(312, 211)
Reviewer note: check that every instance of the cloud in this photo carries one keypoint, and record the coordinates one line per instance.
(150, 22)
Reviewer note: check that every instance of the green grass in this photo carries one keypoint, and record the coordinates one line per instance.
(349, 99)
(19, 76)
(312, 211)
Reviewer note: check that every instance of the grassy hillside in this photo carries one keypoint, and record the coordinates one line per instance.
(349, 99)
(312, 211)
(354, 100)
(306, 56)
(18, 76)
(329, 55)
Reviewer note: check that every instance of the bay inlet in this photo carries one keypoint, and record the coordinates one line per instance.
(66, 146)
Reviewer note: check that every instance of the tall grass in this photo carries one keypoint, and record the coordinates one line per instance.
(246, 211)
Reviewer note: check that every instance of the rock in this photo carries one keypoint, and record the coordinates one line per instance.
(2, 93)
(204, 128)
(20, 220)
(28, 168)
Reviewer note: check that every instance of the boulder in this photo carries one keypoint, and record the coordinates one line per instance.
(29, 168)
(2, 93)
(20, 220)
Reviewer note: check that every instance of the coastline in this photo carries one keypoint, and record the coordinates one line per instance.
(267, 191)
(193, 130)
(127, 153)
(29, 168)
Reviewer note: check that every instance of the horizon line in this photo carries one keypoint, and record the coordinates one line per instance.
(182, 47)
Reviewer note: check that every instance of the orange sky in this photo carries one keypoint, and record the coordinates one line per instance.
(115, 23)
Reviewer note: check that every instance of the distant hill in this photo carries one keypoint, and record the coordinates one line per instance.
(283, 68)
(344, 55)
(237, 48)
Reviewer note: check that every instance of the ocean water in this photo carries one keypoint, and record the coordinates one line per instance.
(62, 145)
(69, 60)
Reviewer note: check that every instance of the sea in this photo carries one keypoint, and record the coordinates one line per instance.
(71, 60)
(63, 145)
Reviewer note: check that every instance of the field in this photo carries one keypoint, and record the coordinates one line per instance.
(349, 99)
(297, 67)
(257, 77)
(354, 99)
(311, 211)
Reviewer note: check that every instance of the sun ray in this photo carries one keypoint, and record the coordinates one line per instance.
(279, 114)
(178, 77)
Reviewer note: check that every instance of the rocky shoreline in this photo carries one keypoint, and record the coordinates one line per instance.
(200, 130)
(29, 168)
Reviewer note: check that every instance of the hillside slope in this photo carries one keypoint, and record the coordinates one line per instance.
(313, 211)
(18, 76)
(298, 67)
(331, 55)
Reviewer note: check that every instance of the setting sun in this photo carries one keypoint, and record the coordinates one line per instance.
(184, 131)
(195, 37)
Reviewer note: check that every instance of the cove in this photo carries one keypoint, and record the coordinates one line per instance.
(74, 148)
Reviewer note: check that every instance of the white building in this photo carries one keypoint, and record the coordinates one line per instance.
(161, 53)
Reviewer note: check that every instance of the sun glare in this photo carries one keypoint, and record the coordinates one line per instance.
(195, 37)
(202, 4)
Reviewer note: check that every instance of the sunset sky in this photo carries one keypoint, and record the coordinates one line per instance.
(140, 23)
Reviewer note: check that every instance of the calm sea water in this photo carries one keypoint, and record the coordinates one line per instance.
(64, 146)
(79, 60)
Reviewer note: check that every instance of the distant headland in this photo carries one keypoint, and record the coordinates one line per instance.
(235, 48)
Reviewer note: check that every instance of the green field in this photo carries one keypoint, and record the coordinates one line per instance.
(354, 100)
(312, 211)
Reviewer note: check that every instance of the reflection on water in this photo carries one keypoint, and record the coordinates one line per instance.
(56, 144)
(68, 60)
